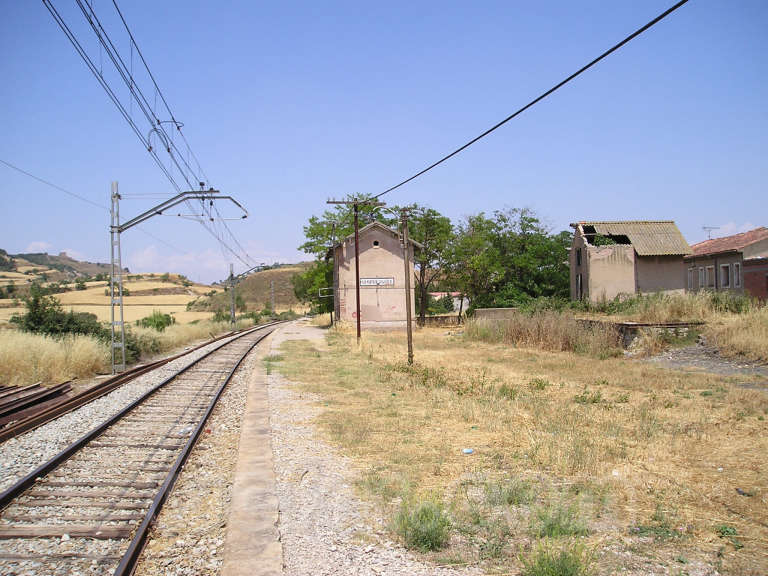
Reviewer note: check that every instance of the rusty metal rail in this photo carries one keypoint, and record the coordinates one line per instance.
(185, 401)
(49, 411)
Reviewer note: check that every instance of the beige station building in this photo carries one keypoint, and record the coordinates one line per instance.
(608, 259)
(382, 277)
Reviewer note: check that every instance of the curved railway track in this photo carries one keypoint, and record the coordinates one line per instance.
(88, 510)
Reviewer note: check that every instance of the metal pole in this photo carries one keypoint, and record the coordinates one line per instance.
(232, 294)
(357, 273)
(117, 327)
(406, 258)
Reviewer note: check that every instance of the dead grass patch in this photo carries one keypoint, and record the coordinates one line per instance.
(608, 442)
(29, 358)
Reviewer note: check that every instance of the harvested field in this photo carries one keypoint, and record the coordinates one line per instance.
(650, 470)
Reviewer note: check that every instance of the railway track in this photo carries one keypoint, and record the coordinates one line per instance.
(88, 510)
(45, 412)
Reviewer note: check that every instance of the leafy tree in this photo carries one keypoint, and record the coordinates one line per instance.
(474, 259)
(434, 232)
(508, 259)
(322, 232)
(307, 286)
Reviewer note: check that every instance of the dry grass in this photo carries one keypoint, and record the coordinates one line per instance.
(29, 358)
(645, 459)
(660, 307)
(153, 342)
(548, 330)
(741, 336)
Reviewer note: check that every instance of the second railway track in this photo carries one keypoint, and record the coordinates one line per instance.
(88, 510)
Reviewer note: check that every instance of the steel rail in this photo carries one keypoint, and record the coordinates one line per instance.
(19, 487)
(36, 420)
(131, 556)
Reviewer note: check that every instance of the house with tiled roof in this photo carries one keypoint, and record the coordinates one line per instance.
(612, 258)
(738, 263)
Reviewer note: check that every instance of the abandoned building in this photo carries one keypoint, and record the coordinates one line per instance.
(738, 263)
(608, 259)
(382, 277)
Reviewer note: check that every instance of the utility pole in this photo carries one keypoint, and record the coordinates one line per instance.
(356, 203)
(232, 294)
(406, 259)
(117, 327)
(116, 278)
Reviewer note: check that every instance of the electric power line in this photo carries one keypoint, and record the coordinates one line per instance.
(144, 106)
(86, 200)
(636, 33)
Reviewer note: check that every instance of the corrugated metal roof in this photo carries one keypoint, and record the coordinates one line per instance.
(648, 237)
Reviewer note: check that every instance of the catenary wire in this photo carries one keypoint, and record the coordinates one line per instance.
(105, 42)
(541, 97)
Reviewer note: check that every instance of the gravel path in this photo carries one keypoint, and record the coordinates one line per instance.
(706, 359)
(324, 527)
(188, 537)
(22, 454)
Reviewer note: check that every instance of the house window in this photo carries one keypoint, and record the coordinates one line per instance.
(690, 279)
(375, 243)
(701, 278)
(737, 275)
(578, 256)
(725, 275)
(710, 276)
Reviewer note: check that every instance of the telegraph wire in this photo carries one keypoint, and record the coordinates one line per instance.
(107, 45)
(59, 188)
(87, 201)
(541, 97)
(159, 91)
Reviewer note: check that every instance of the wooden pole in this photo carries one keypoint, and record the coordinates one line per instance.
(406, 258)
(357, 273)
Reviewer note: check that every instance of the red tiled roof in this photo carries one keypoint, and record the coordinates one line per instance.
(728, 243)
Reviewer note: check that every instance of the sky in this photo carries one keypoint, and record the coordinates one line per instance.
(288, 104)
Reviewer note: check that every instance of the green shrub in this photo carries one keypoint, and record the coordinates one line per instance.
(587, 397)
(156, 320)
(567, 561)
(513, 492)
(557, 520)
(424, 526)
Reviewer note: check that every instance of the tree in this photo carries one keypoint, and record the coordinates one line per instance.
(307, 286)
(434, 232)
(474, 260)
(508, 259)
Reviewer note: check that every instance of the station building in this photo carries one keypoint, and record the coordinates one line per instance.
(382, 277)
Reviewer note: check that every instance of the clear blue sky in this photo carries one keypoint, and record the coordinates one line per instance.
(287, 104)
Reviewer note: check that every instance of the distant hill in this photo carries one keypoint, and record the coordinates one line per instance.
(50, 267)
(255, 290)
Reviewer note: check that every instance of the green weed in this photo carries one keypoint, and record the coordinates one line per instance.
(423, 526)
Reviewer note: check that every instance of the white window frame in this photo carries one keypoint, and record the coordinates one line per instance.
(725, 269)
(737, 275)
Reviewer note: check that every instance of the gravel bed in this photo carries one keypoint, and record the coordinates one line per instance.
(707, 359)
(325, 529)
(188, 537)
(22, 454)
(52, 564)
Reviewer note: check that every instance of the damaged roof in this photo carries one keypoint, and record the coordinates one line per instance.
(648, 237)
(730, 243)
